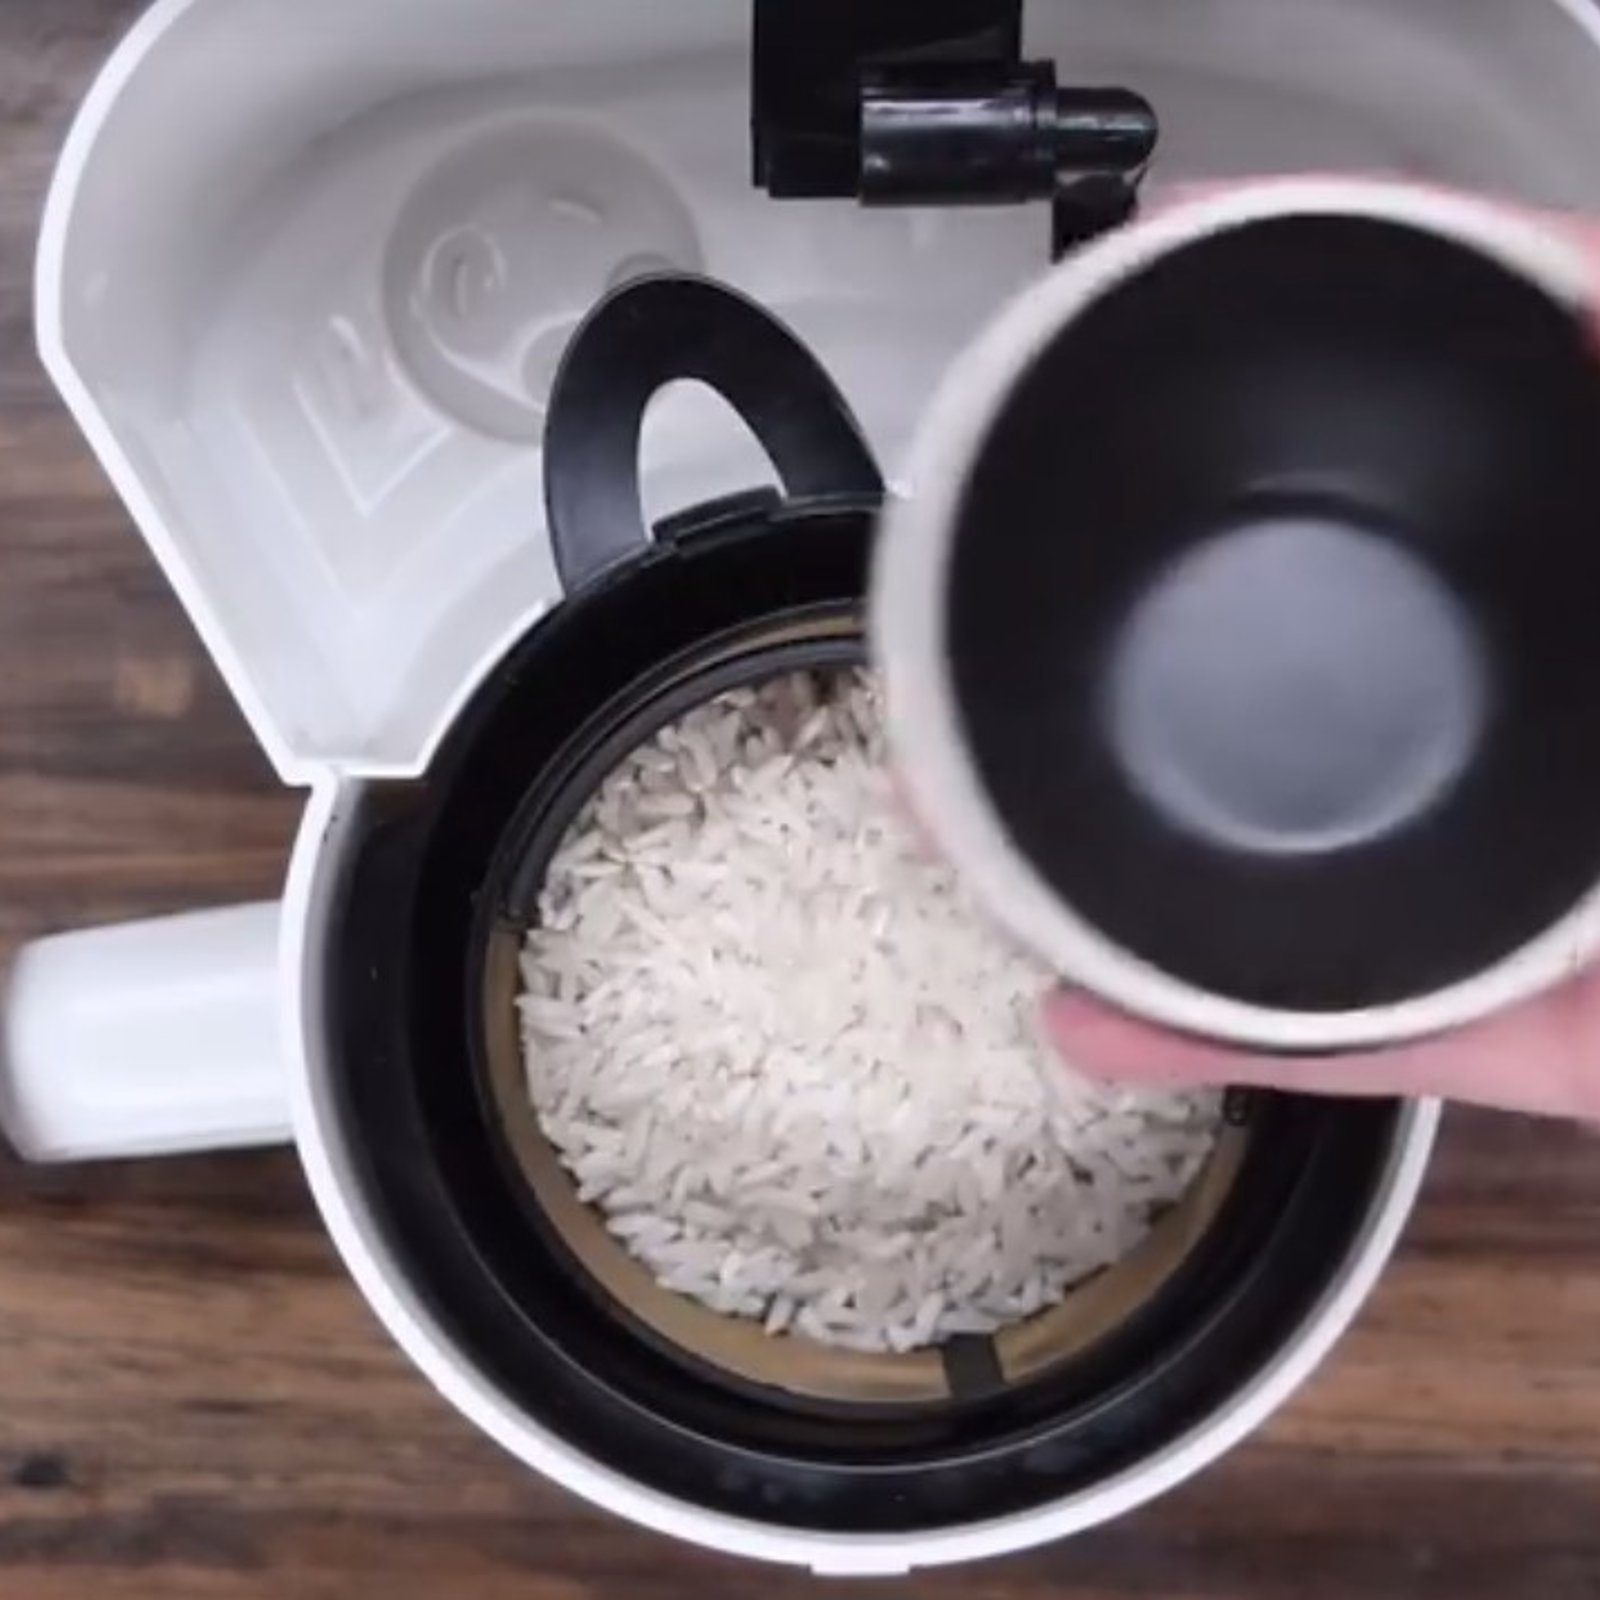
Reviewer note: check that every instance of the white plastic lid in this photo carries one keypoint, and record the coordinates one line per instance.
(309, 324)
(305, 274)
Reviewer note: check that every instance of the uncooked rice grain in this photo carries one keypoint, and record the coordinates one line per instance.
(779, 1051)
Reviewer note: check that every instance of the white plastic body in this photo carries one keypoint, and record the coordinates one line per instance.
(146, 1039)
(304, 270)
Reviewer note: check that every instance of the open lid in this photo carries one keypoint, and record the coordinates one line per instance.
(305, 286)
(314, 356)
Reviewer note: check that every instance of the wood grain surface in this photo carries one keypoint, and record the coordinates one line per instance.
(194, 1402)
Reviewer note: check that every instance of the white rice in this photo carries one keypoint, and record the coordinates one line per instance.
(779, 1051)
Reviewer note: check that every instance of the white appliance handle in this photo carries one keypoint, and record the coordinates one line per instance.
(149, 1038)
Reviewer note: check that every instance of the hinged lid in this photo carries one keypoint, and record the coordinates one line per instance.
(304, 279)
(309, 322)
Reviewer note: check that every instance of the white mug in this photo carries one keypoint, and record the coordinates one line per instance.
(210, 1030)
(1244, 723)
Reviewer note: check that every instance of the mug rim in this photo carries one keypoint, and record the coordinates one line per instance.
(908, 624)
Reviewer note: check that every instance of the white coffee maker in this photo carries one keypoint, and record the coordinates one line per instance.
(306, 277)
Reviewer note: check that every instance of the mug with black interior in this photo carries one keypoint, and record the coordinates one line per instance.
(1238, 620)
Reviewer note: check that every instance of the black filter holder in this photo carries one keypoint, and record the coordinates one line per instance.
(438, 860)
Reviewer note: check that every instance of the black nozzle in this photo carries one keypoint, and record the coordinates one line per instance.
(933, 106)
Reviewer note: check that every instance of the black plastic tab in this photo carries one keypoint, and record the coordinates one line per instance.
(645, 335)
(932, 105)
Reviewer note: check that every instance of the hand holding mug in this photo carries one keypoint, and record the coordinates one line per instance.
(1236, 644)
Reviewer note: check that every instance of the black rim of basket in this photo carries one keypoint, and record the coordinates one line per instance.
(406, 997)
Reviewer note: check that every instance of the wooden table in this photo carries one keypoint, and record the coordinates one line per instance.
(194, 1402)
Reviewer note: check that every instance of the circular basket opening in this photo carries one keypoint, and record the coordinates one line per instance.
(487, 1230)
